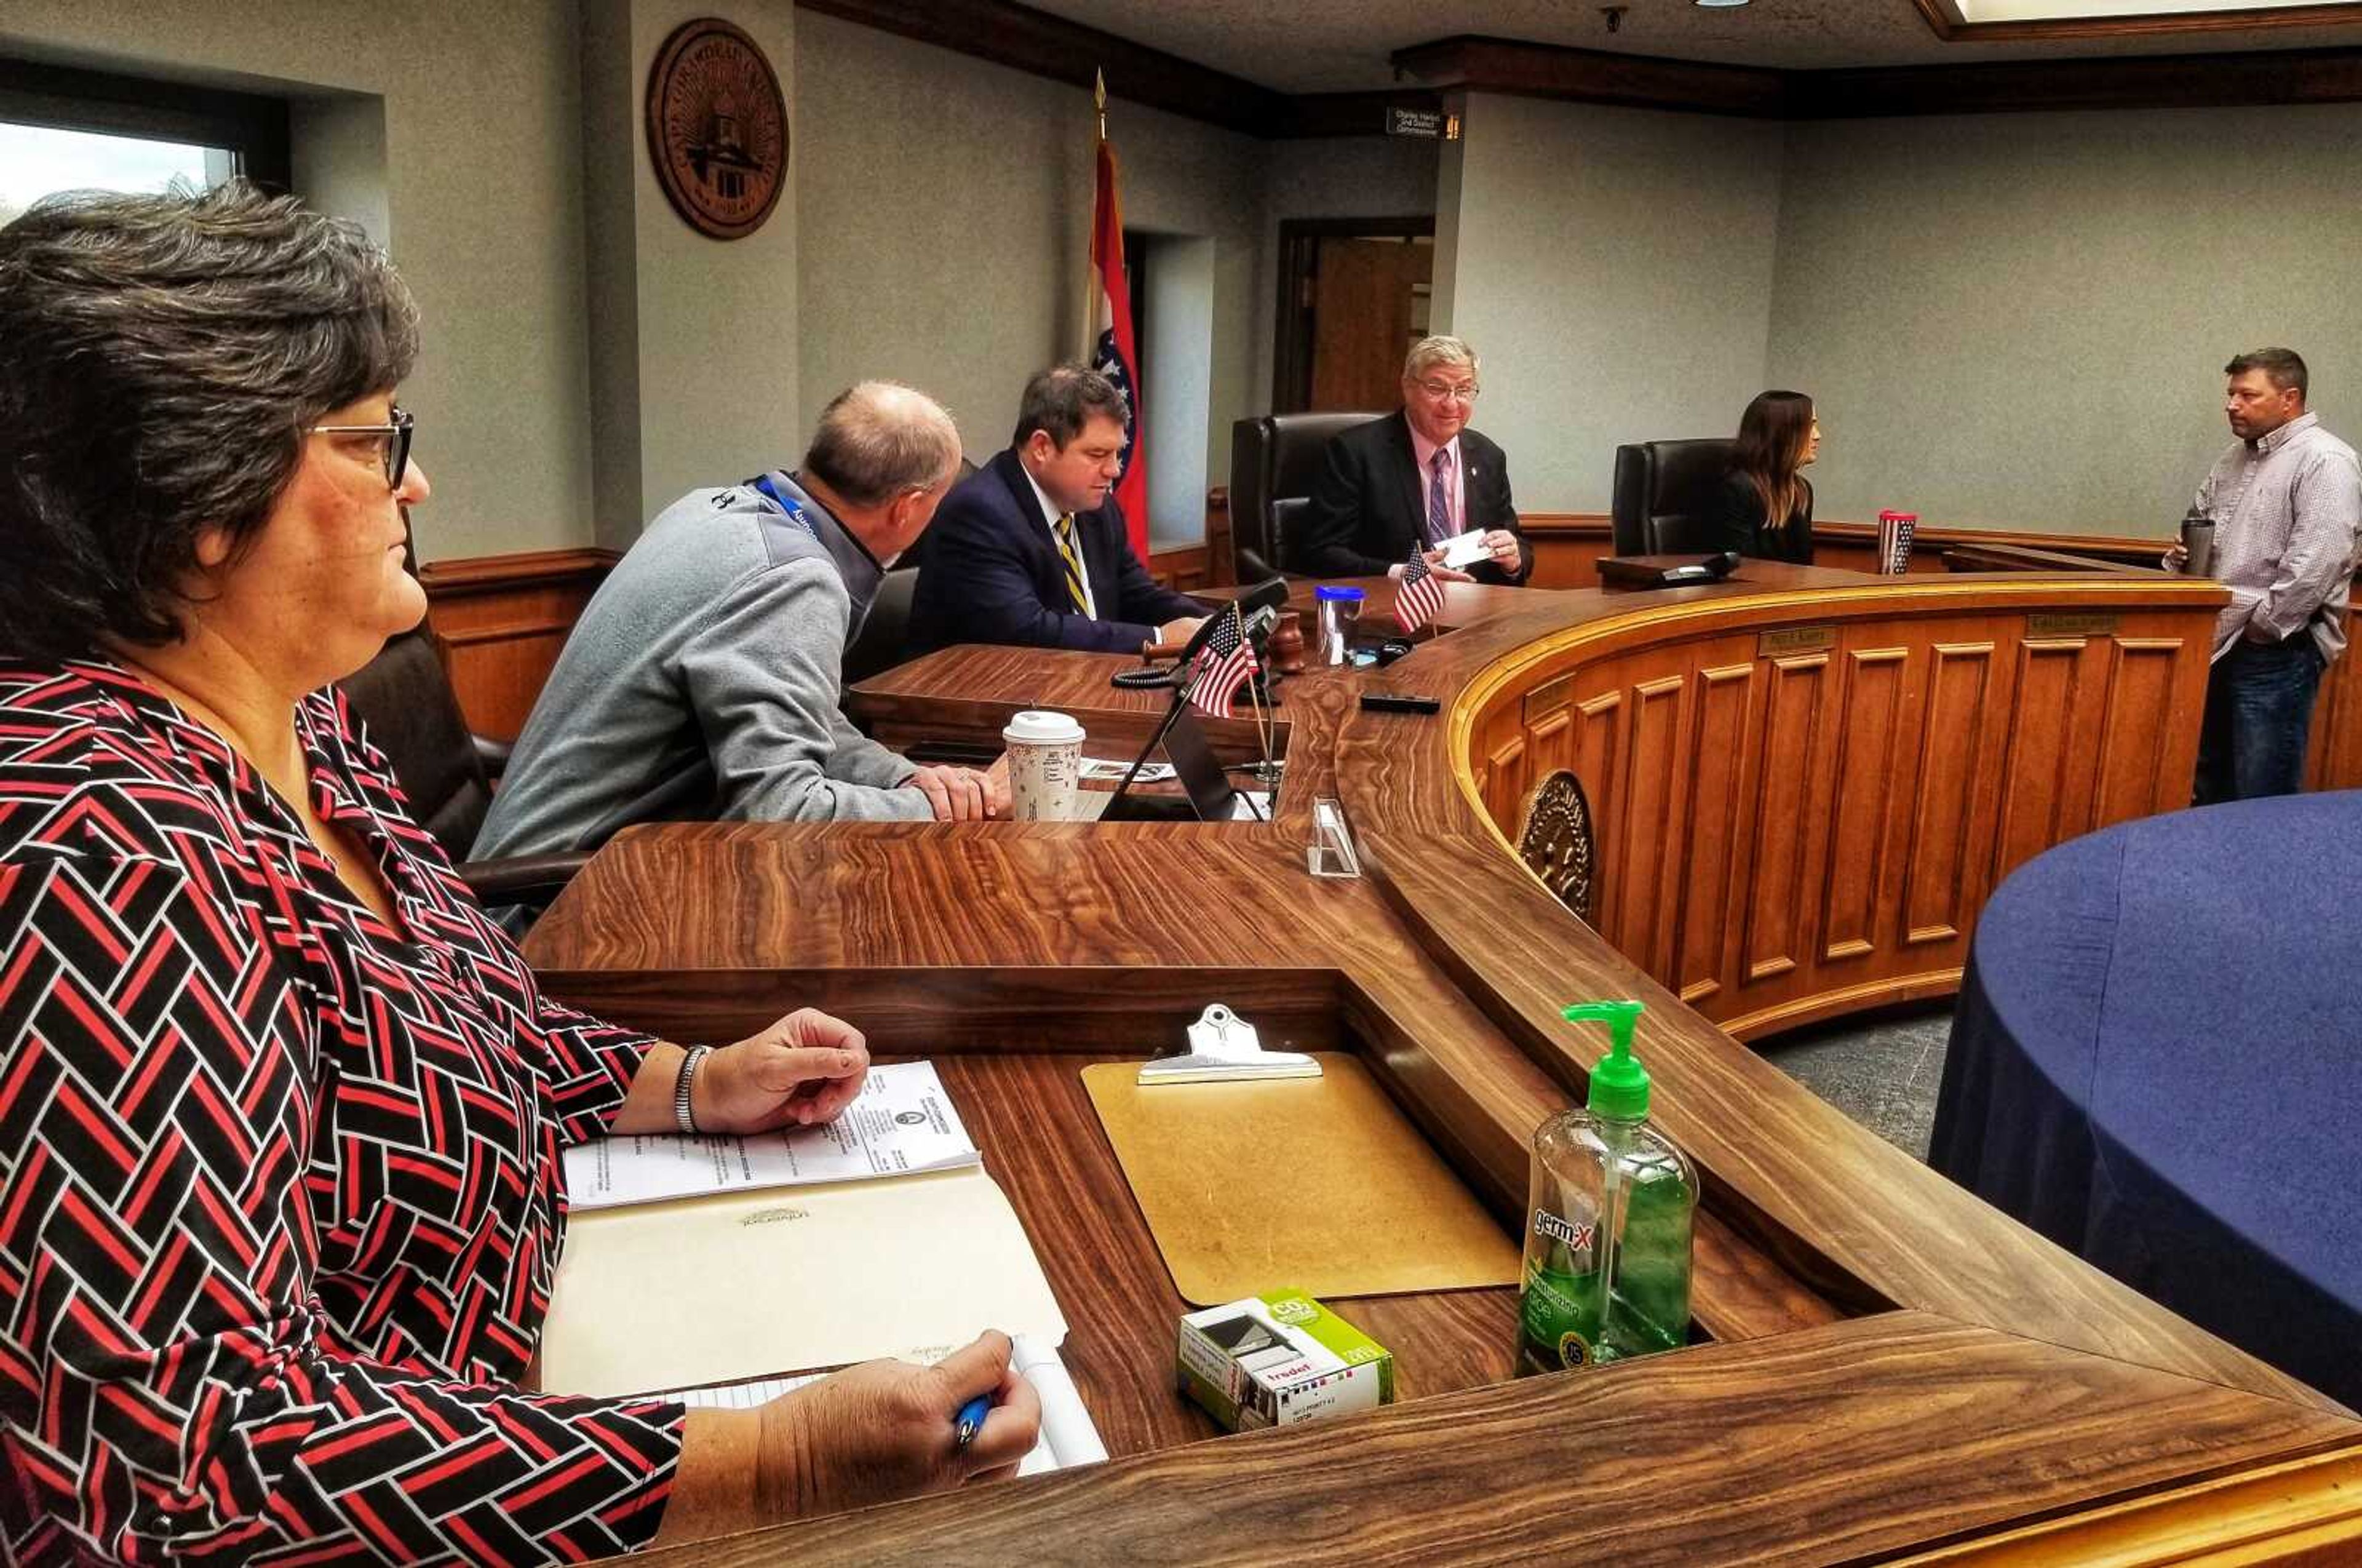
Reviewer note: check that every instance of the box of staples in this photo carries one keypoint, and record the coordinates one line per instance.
(1280, 1358)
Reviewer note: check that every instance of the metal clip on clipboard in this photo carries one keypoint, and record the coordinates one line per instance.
(1223, 1047)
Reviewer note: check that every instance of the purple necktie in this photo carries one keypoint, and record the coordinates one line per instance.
(1438, 498)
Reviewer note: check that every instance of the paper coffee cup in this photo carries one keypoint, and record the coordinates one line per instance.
(1045, 759)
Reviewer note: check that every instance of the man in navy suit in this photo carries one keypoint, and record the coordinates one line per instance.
(1413, 479)
(1030, 549)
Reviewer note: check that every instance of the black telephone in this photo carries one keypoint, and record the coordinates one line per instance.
(1714, 568)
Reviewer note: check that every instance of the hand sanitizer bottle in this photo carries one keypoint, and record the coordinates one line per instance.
(1606, 1270)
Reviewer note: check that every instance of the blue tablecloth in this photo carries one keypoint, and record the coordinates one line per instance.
(2157, 1064)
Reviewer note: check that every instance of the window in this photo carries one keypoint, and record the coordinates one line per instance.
(64, 129)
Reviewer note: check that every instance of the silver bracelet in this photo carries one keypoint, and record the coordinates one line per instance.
(689, 1064)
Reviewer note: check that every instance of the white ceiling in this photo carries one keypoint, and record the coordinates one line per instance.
(1337, 46)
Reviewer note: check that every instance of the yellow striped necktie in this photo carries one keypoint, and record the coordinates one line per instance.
(1072, 554)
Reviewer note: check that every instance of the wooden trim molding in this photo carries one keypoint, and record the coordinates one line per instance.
(1594, 76)
(1023, 38)
(1944, 19)
(476, 575)
(2148, 81)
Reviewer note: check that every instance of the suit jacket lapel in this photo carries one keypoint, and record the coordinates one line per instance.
(1398, 435)
(1041, 555)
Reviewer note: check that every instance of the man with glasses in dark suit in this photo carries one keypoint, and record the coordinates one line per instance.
(1030, 550)
(1414, 479)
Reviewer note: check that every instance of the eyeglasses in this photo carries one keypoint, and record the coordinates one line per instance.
(396, 436)
(1442, 393)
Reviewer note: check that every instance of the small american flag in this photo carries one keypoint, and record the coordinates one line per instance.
(1222, 668)
(1419, 596)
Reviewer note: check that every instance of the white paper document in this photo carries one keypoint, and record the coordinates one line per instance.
(1466, 549)
(1068, 1437)
(1108, 770)
(901, 1122)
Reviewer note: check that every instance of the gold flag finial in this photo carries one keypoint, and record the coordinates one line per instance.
(1098, 97)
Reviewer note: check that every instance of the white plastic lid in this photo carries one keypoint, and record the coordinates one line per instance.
(1039, 727)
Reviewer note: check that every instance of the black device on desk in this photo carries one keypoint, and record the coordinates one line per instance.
(1210, 797)
(1642, 574)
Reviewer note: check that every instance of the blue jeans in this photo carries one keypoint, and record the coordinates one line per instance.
(2258, 716)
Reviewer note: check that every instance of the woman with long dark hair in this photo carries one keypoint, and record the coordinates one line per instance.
(1764, 506)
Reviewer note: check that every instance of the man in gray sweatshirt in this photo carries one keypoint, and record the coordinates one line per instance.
(703, 679)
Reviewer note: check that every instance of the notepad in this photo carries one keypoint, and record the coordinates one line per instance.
(719, 1260)
(1069, 1437)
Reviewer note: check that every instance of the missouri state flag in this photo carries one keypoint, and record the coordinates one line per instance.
(1113, 353)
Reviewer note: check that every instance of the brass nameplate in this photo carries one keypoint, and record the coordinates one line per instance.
(1795, 639)
(2070, 624)
(1546, 699)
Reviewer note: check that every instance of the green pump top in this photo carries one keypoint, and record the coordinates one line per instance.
(1619, 1084)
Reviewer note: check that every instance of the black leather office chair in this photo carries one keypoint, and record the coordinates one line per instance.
(1273, 460)
(1661, 488)
(884, 639)
(408, 711)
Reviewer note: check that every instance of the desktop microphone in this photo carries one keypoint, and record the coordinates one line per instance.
(1260, 605)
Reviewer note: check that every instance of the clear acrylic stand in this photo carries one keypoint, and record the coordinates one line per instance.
(1330, 852)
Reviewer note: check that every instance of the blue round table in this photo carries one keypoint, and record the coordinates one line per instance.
(2157, 1063)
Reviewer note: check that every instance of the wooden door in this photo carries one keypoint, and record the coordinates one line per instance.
(1364, 294)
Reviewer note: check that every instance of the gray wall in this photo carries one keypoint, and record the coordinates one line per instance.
(692, 341)
(480, 200)
(946, 208)
(2020, 320)
(1613, 267)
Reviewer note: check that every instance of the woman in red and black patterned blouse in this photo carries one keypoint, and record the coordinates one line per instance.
(281, 1110)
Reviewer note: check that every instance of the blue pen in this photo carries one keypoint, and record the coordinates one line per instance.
(970, 1419)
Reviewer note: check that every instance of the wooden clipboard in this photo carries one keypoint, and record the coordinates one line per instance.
(1315, 1182)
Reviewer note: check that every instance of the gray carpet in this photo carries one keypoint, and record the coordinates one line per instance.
(1883, 1071)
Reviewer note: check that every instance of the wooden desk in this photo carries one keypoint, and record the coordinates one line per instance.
(1920, 1373)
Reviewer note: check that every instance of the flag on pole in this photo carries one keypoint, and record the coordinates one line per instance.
(1222, 667)
(1420, 595)
(1112, 353)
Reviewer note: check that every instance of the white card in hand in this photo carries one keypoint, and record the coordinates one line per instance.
(1466, 549)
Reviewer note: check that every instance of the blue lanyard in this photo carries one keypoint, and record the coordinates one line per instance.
(785, 503)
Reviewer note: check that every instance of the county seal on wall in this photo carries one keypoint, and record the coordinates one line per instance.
(717, 128)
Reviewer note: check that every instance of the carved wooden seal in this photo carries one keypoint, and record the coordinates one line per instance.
(717, 128)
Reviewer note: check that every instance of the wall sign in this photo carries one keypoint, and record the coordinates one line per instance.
(717, 128)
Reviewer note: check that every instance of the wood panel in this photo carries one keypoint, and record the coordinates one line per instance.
(1715, 854)
(1779, 894)
(2045, 765)
(1784, 834)
(2336, 760)
(1568, 548)
(1363, 293)
(1821, 1433)
(502, 620)
(1873, 778)
(1937, 890)
(2140, 771)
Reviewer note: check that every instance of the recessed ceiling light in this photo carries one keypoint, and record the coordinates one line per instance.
(1722, 4)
